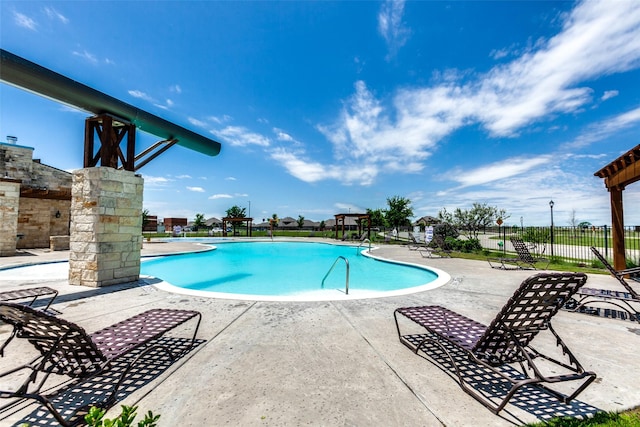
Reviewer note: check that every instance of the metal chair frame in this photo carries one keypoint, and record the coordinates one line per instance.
(502, 350)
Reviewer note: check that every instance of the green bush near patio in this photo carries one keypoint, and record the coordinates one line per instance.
(600, 419)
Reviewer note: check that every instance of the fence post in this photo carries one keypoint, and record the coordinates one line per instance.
(606, 244)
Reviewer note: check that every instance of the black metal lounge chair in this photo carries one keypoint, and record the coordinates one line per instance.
(31, 294)
(493, 362)
(436, 246)
(628, 301)
(523, 261)
(414, 244)
(66, 349)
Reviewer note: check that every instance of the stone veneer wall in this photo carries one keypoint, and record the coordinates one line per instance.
(16, 161)
(37, 221)
(9, 203)
(106, 227)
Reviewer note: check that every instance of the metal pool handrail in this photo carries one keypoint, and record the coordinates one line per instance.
(362, 243)
(346, 288)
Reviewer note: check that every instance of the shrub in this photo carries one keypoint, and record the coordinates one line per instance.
(466, 245)
(446, 230)
(536, 235)
(95, 418)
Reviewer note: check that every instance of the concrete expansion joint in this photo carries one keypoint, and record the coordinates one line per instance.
(235, 319)
(190, 355)
(384, 360)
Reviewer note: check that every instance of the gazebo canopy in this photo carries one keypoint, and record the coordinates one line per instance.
(234, 220)
(617, 175)
(340, 222)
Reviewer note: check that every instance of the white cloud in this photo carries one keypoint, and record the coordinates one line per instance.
(609, 94)
(547, 79)
(348, 207)
(601, 130)
(225, 118)
(196, 122)
(230, 178)
(54, 14)
(499, 53)
(282, 136)
(528, 195)
(391, 27)
(176, 89)
(24, 21)
(506, 168)
(220, 196)
(196, 189)
(146, 97)
(141, 95)
(241, 136)
(88, 56)
(184, 176)
(310, 171)
(155, 180)
(598, 38)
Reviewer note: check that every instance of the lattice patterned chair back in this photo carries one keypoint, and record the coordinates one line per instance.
(527, 312)
(66, 348)
(523, 252)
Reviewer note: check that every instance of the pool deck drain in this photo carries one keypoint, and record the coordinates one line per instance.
(330, 363)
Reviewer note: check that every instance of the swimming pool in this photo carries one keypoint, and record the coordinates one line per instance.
(285, 271)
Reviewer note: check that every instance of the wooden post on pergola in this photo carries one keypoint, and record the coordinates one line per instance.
(617, 175)
(340, 219)
(232, 220)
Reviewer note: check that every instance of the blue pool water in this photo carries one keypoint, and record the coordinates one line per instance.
(278, 270)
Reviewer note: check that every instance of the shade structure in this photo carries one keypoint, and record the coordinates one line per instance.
(24, 74)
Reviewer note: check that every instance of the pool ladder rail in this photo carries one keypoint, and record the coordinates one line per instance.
(346, 286)
(362, 243)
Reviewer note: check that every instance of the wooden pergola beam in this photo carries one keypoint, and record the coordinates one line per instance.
(340, 218)
(45, 193)
(232, 220)
(617, 175)
(110, 131)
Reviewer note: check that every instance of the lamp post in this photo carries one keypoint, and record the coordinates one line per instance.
(551, 206)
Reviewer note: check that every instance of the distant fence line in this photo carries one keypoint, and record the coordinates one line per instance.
(569, 243)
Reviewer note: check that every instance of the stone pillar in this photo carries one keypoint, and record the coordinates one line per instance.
(106, 227)
(9, 206)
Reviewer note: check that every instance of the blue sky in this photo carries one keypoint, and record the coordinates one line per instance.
(330, 107)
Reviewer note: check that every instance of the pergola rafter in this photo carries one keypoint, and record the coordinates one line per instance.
(234, 220)
(340, 222)
(617, 175)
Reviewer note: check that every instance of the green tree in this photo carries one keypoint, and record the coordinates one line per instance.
(300, 221)
(274, 220)
(236, 211)
(472, 221)
(376, 216)
(399, 211)
(322, 225)
(199, 222)
(445, 217)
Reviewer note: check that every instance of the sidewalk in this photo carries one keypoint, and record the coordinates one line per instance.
(331, 363)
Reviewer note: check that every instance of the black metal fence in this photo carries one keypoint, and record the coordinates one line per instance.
(568, 243)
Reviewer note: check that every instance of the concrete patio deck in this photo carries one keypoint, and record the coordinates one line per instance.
(336, 363)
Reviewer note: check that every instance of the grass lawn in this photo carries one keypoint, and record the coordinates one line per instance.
(630, 418)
